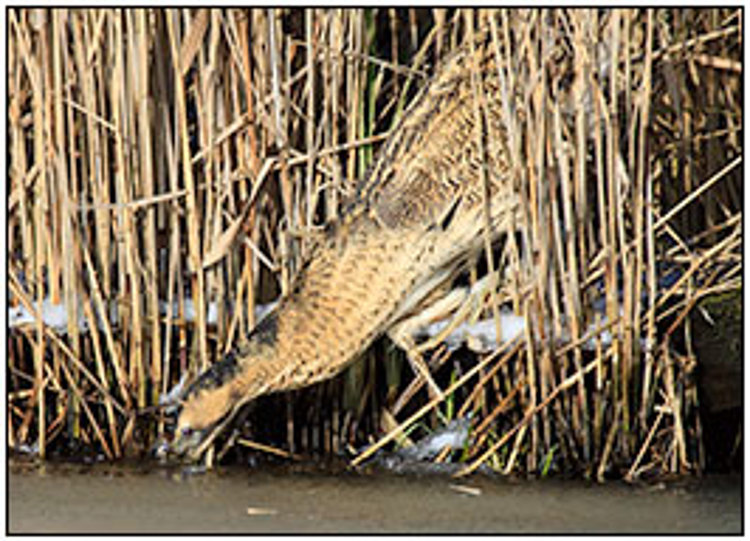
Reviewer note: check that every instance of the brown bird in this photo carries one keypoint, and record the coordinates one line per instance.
(434, 186)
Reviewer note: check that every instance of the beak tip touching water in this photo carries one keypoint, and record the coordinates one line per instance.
(179, 445)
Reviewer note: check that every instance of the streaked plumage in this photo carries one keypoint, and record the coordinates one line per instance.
(417, 213)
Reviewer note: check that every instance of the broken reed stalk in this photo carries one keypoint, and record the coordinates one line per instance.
(509, 351)
(138, 137)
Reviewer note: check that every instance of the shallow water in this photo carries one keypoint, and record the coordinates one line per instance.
(141, 499)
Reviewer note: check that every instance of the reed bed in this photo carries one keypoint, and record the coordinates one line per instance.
(168, 167)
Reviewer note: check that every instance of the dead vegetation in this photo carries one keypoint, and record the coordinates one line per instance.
(167, 166)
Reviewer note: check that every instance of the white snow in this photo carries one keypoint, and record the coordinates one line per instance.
(480, 336)
(55, 316)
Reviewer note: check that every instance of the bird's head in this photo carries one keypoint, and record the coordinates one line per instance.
(198, 408)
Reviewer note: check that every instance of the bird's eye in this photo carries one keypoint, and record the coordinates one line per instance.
(187, 431)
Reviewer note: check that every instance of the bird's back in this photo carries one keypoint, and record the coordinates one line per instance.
(418, 210)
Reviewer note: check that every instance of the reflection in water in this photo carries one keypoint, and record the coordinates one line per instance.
(139, 498)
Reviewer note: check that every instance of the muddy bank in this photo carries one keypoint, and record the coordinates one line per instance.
(110, 499)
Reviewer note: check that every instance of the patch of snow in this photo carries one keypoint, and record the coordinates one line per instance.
(212, 316)
(481, 336)
(53, 315)
(454, 435)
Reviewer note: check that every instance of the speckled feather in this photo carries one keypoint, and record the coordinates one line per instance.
(418, 210)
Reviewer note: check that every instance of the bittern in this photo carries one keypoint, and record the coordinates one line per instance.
(439, 185)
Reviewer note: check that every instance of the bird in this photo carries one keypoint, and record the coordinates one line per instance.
(439, 186)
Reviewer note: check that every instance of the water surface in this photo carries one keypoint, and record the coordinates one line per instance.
(141, 499)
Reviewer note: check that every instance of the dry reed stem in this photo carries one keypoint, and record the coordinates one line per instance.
(101, 372)
(529, 414)
(510, 350)
(197, 281)
(18, 292)
(440, 356)
(631, 475)
(484, 425)
(267, 449)
(135, 135)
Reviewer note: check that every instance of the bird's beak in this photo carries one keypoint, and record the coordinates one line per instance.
(184, 445)
(179, 445)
